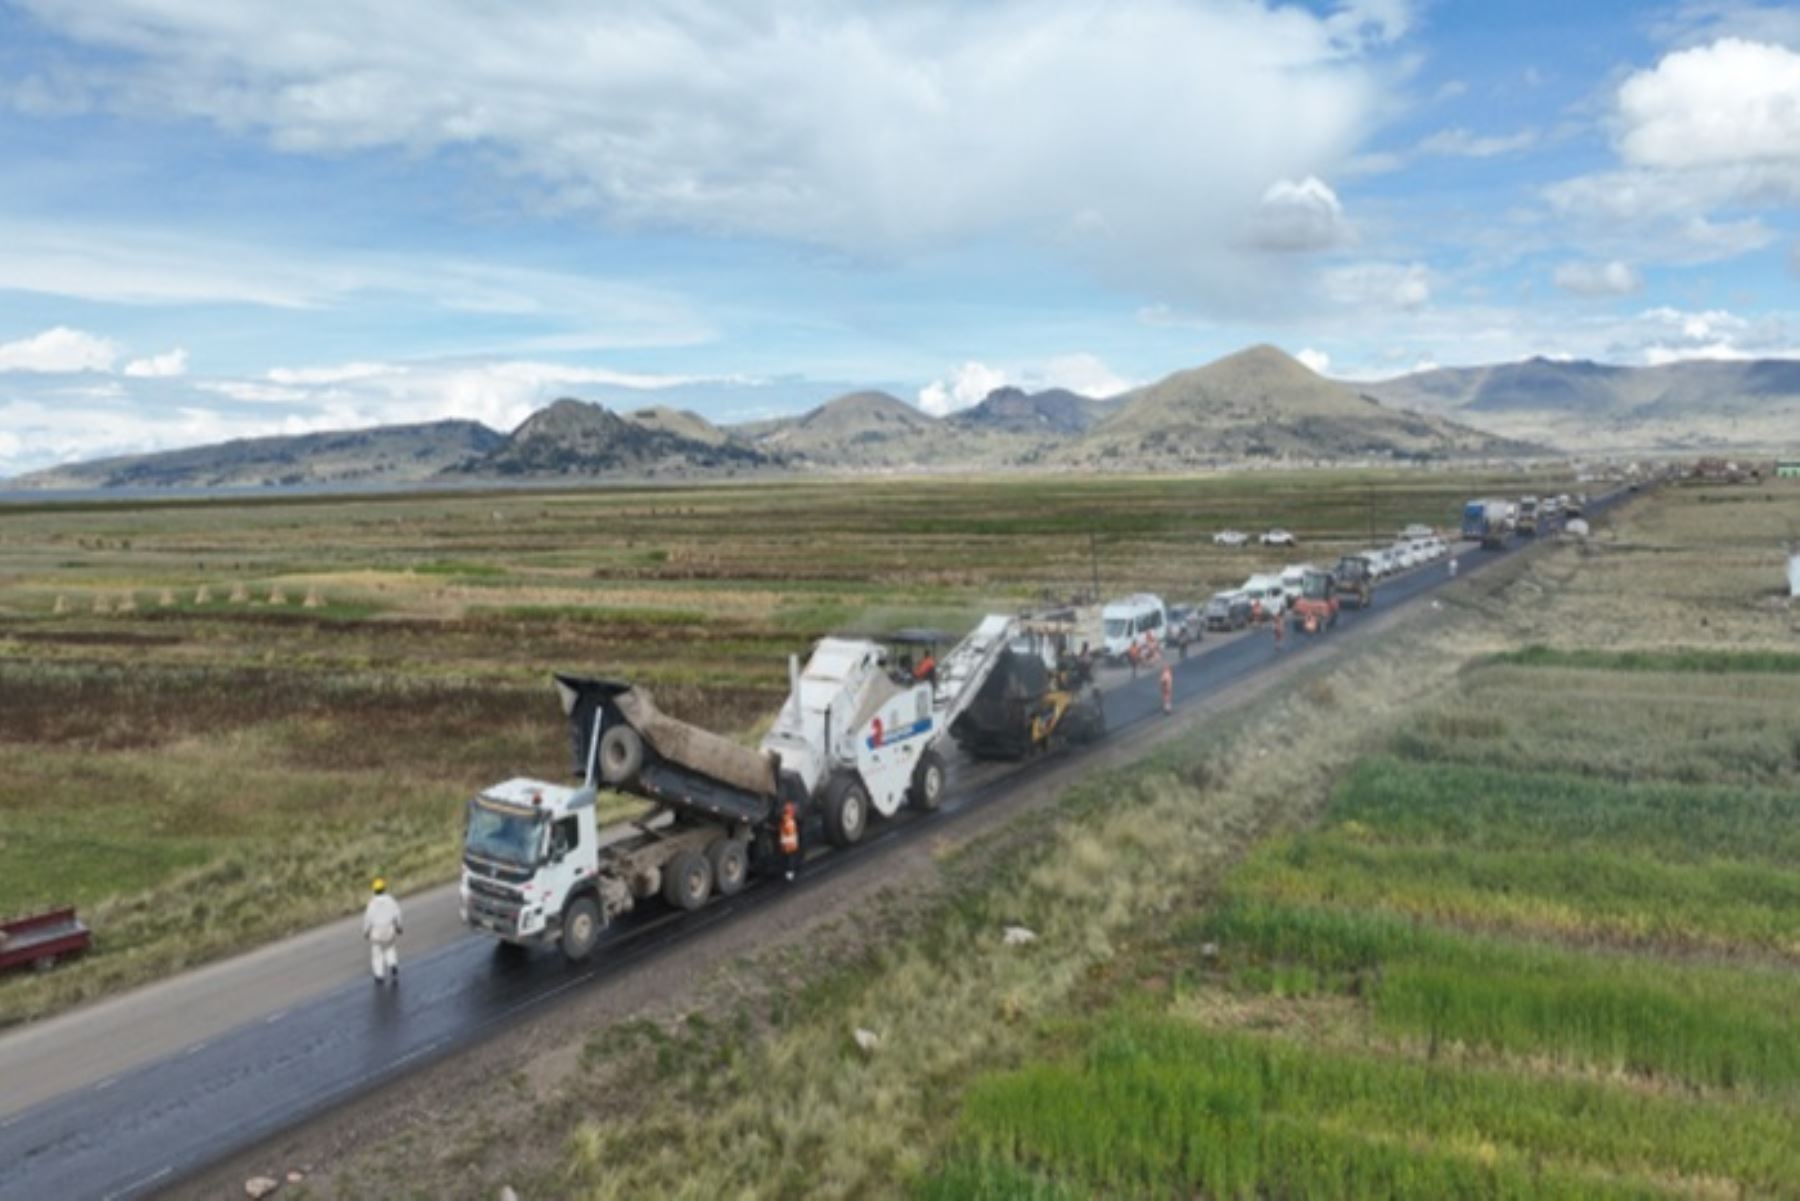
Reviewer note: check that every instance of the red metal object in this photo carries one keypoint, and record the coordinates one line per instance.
(42, 938)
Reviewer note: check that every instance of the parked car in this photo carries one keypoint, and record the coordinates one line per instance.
(1229, 611)
(1414, 532)
(1278, 537)
(1268, 599)
(1230, 538)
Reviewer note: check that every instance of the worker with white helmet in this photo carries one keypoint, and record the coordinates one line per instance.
(381, 927)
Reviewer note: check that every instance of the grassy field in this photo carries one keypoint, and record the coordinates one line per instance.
(218, 719)
(1518, 924)
(1546, 943)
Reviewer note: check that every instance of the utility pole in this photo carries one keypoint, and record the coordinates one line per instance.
(1094, 560)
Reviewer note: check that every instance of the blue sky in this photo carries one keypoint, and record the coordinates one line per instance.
(223, 220)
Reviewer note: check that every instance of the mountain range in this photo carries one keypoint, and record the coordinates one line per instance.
(1256, 406)
(1597, 408)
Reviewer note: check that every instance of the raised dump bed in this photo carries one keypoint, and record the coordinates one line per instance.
(641, 750)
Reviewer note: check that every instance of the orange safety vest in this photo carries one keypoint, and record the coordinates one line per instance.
(790, 830)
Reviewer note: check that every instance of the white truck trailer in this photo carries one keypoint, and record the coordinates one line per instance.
(857, 739)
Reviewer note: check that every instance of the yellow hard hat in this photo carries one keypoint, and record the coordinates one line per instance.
(380, 885)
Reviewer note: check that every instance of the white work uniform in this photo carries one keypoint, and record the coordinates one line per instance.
(381, 926)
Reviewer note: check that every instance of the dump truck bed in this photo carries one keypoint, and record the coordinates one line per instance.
(687, 768)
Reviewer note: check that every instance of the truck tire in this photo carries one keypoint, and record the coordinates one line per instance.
(846, 810)
(687, 880)
(582, 923)
(929, 782)
(730, 865)
(621, 754)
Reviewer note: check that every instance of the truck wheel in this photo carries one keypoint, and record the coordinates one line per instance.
(621, 754)
(687, 880)
(846, 811)
(929, 779)
(730, 865)
(581, 928)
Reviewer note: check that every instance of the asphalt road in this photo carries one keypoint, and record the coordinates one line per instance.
(216, 1061)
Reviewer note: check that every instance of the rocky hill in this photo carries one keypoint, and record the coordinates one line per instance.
(1054, 413)
(861, 429)
(572, 438)
(399, 454)
(1262, 404)
(1594, 407)
(683, 423)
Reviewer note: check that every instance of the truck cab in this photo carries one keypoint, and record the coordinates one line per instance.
(529, 848)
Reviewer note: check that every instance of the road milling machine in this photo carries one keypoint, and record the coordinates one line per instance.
(860, 736)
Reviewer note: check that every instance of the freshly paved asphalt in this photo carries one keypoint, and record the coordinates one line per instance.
(133, 1094)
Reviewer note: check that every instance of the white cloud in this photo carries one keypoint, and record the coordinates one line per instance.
(151, 267)
(1731, 102)
(1302, 215)
(966, 386)
(872, 129)
(1460, 143)
(970, 383)
(59, 350)
(1670, 335)
(1083, 373)
(1708, 136)
(338, 373)
(1315, 360)
(1614, 278)
(1404, 286)
(167, 365)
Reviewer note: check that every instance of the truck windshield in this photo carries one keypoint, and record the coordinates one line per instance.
(1118, 627)
(502, 834)
(1316, 587)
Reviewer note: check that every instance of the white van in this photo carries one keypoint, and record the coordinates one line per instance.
(1136, 625)
(1268, 599)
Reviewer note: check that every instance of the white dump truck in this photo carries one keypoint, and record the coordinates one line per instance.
(858, 738)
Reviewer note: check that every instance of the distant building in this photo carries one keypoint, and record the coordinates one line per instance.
(1788, 469)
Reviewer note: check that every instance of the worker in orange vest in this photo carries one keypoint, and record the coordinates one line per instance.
(1168, 688)
(790, 841)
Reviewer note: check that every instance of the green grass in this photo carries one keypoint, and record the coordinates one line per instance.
(1690, 1023)
(1161, 1107)
(1576, 894)
(1439, 804)
(1691, 659)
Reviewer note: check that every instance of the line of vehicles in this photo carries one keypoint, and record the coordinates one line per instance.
(863, 734)
(1492, 520)
(1305, 594)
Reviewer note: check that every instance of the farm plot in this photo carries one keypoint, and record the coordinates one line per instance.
(1501, 967)
(1545, 942)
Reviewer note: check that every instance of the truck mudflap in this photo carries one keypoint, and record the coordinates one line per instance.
(674, 763)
